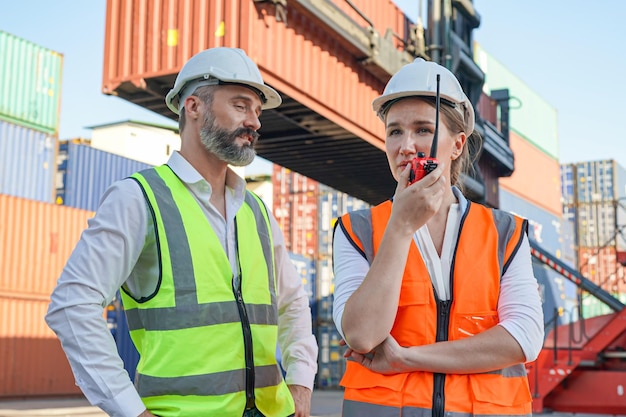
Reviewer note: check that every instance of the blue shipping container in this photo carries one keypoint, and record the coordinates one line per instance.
(305, 267)
(116, 319)
(27, 162)
(86, 173)
(331, 363)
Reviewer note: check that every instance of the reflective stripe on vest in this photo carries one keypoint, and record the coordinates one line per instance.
(501, 392)
(189, 333)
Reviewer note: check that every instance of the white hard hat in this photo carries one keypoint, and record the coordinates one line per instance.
(209, 67)
(419, 78)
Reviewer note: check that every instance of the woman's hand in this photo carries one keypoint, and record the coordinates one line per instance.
(415, 204)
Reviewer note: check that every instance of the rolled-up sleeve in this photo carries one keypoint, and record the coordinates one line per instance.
(520, 309)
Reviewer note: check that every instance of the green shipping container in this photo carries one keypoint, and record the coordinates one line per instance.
(531, 116)
(30, 84)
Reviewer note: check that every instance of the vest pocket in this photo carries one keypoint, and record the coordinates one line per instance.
(499, 390)
(415, 293)
(470, 324)
(358, 377)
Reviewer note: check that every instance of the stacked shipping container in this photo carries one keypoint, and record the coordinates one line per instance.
(84, 173)
(306, 212)
(594, 202)
(533, 190)
(36, 239)
(30, 95)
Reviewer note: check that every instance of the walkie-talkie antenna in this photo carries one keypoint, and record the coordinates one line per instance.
(433, 147)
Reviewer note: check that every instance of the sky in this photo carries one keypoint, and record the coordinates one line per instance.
(568, 52)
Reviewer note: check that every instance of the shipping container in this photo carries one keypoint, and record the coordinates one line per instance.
(27, 162)
(32, 362)
(601, 266)
(550, 231)
(328, 211)
(295, 209)
(598, 224)
(558, 296)
(593, 182)
(331, 364)
(36, 240)
(305, 266)
(30, 84)
(537, 176)
(592, 307)
(84, 174)
(531, 116)
(116, 319)
(146, 44)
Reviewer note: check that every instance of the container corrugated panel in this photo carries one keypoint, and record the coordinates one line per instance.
(153, 39)
(305, 266)
(27, 162)
(90, 172)
(537, 176)
(36, 240)
(600, 266)
(331, 363)
(568, 184)
(535, 119)
(597, 181)
(383, 14)
(295, 208)
(30, 84)
(116, 319)
(32, 363)
(597, 224)
(546, 228)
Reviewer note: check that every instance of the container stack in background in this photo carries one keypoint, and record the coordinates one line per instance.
(48, 191)
(30, 102)
(533, 191)
(594, 203)
(36, 237)
(307, 211)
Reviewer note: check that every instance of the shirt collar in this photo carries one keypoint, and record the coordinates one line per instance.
(190, 176)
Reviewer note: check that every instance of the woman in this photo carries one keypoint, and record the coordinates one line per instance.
(434, 295)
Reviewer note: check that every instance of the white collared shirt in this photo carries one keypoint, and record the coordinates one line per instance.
(108, 253)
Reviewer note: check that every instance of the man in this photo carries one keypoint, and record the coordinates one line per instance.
(207, 284)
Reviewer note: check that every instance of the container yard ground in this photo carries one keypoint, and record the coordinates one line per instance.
(325, 403)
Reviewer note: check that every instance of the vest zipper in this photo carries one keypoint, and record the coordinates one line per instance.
(439, 380)
(247, 340)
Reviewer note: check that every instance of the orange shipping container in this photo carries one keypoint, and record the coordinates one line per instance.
(36, 239)
(537, 176)
(32, 363)
(146, 44)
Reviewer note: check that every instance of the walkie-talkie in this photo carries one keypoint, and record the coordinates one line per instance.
(421, 165)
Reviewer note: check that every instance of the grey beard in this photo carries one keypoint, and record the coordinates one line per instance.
(222, 143)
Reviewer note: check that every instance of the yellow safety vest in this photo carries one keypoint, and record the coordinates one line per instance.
(207, 347)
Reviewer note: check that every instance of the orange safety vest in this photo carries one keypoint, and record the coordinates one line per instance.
(487, 241)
